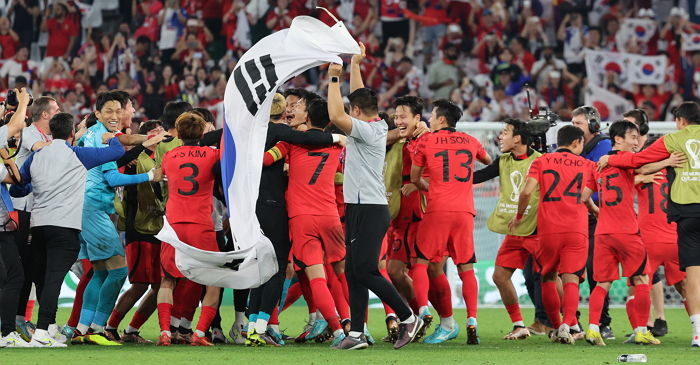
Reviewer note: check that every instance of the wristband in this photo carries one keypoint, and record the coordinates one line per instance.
(335, 79)
(519, 216)
(336, 138)
(150, 175)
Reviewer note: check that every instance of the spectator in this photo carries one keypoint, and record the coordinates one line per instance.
(9, 39)
(62, 33)
(443, 75)
(25, 12)
(547, 63)
(189, 91)
(521, 56)
(18, 66)
(572, 32)
(172, 22)
(280, 17)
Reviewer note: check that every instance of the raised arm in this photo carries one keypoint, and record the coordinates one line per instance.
(355, 73)
(336, 112)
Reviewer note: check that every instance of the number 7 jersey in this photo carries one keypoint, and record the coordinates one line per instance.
(448, 159)
(190, 173)
(562, 176)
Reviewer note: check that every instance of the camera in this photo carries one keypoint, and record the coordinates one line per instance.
(537, 127)
(11, 99)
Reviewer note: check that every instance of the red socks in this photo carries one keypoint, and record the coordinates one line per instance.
(324, 302)
(344, 284)
(470, 291)
(441, 296)
(514, 312)
(186, 298)
(571, 298)
(293, 294)
(164, 311)
(275, 316)
(336, 289)
(421, 283)
(306, 290)
(387, 309)
(205, 318)
(115, 318)
(631, 310)
(79, 291)
(552, 302)
(642, 304)
(139, 319)
(595, 304)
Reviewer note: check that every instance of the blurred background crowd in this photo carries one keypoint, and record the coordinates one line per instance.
(478, 53)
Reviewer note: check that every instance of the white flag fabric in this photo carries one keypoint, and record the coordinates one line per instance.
(691, 42)
(641, 29)
(630, 68)
(610, 105)
(247, 101)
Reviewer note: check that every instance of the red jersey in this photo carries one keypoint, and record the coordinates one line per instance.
(392, 9)
(59, 37)
(190, 172)
(616, 200)
(562, 176)
(653, 222)
(448, 158)
(311, 187)
(411, 205)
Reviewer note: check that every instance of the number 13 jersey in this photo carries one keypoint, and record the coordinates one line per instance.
(448, 158)
(562, 176)
(190, 173)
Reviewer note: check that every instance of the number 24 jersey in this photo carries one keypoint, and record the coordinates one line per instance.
(190, 173)
(448, 159)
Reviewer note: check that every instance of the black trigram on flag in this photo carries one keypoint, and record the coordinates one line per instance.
(256, 83)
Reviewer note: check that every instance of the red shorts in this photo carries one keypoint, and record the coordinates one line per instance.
(143, 260)
(515, 250)
(564, 253)
(316, 240)
(613, 250)
(665, 254)
(403, 242)
(443, 234)
(201, 236)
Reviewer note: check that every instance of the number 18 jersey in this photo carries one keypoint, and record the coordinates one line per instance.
(190, 173)
(562, 176)
(448, 158)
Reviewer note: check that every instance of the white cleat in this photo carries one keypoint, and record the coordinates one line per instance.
(56, 334)
(695, 342)
(236, 332)
(42, 338)
(564, 335)
(518, 333)
(14, 340)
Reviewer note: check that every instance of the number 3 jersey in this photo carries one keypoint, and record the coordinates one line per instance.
(190, 174)
(616, 200)
(311, 189)
(562, 176)
(448, 158)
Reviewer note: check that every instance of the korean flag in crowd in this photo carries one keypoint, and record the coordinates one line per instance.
(647, 69)
(610, 105)
(260, 72)
(691, 42)
(640, 29)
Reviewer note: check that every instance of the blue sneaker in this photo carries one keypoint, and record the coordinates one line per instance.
(25, 329)
(337, 340)
(275, 336)
(370, 339)
(319, 327)
(441, 335)
(68, 331)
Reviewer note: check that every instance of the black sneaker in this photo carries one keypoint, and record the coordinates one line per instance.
(660, 328)
(352, 343)
(607, 333)
(408, 331)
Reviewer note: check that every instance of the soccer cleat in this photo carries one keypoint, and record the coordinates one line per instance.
(346, 325)
(646, 338)
(337, 340)
(427, 321)
(236, 333)
(200, 341)
(217, 336)
(100, 339)
(518, 333)
(538, 328)
(408, 332)
(253, 339)
(134, 337)
(564, 335)
(368, 336)
(472, 335)
(441, 335)
(630, 338)
(302, 336)
(14, 340)
(164, 340)
(277, 336)
(68, 331)
(46, 342)
(607, 332)
(269, 340)
(56, 334)
(695, 342)
(577, 335)
(325, 336)
(352, 343)
(112, 334)
(25, 329)
(594, 338)
(78, 338)
(392, 329)
(182, 338)
(317, 329)
(660, 328)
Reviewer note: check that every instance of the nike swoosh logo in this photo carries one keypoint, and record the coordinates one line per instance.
(42, 342)
(353, 240)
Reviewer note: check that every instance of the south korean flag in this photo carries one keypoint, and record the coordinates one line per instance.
(648, 69)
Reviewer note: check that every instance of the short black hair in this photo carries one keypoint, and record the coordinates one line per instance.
(519, 129)
(449, 110)
(388, 119)
(61, 125)
(568, 134)
(414, 103)
(365, 99)
(318, 113)
(149, 125)
(299, 93)
(91, 120)
(688, 110)
(205, 113)
(107, 96)
(123, 97)
(406, 59)
(620, 127)
(310, 97)
(640, 116)
(173, 110)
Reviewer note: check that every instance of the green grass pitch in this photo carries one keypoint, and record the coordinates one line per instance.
(493, 325)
